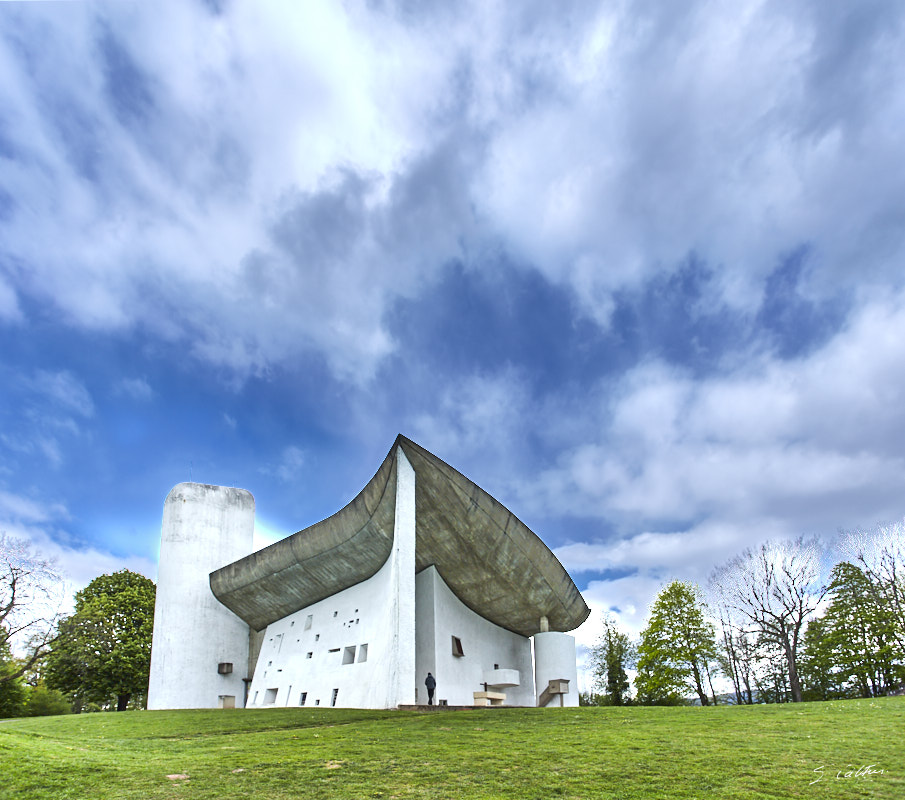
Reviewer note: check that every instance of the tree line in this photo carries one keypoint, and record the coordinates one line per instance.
(96, 658)
(772, 626)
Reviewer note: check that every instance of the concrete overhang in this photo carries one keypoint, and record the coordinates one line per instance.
(491, 560)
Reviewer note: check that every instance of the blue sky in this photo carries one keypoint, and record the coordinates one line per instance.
(636, 268)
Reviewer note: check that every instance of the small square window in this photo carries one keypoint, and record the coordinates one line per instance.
(308, 655)
(317, 637)
(317, 702)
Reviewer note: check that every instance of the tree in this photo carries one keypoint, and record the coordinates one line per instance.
(677, 648)
(31, 597)
(737, 656)
(857, 636)
(13, 691)
(880, 554)
(775, 588)
(610, 656)
(44, 702)
(104, 650)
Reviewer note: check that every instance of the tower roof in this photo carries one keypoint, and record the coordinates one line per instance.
(492, 561)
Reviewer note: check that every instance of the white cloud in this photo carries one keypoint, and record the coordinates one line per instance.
(63, 389)
(136, 388)
(289, 466)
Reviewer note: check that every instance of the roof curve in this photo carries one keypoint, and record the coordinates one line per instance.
(491, 560)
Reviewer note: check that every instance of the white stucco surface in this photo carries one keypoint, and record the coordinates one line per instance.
(488, 650)
(359, 643)
(204, 527)
(554, 659)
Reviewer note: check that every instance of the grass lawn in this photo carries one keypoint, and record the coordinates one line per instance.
(789, 751)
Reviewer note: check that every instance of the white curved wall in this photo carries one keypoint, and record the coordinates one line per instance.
(355, 649)
(554, 659)
(204, 528)
(490, 653)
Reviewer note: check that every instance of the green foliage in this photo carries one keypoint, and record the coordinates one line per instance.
(13, 691)
(44, 702)
(610, 656)
(103, 653)
(726, 752)
(677, 648)
(853, 649)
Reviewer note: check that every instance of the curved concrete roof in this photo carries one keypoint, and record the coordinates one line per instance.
(493, 562)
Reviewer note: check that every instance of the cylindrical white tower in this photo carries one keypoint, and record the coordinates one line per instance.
(555, 673)
(199, 653)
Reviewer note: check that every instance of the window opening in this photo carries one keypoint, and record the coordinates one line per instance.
(349, 655)
(333, 699)
(303, 698)
(362, 653)
(308, 655)
(457, 650)
(308, 621)
(270, 696)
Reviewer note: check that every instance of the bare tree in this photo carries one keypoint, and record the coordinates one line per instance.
(775, 588)
(881, 556)
(31, 597)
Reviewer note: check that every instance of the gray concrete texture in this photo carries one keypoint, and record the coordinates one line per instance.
(492, 561)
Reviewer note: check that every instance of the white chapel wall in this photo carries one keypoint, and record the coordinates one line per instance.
(440, 616)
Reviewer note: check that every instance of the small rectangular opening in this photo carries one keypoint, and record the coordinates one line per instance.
(227, 701)
(270, 696)
(457, 650)
(308, 622)
(225, 668)
(362, 653)
(308, 655)
(333, 699)
(349, 655)
(302, 698)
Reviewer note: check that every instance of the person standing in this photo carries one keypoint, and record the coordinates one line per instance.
(431, 684)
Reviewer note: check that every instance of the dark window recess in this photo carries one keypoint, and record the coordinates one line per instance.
(225, 668)
(333, 700)
(457, 650)
(303, 698)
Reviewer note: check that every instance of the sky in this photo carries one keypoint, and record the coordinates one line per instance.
(635, 268)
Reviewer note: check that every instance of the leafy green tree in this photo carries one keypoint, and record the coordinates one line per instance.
(13, 691)
(677, 648)
(610, 656)
(819, 680)
(104, 648)
(880, 555)
(44, 702)
(858, 635)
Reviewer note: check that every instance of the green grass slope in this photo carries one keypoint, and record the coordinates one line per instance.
(849, 749)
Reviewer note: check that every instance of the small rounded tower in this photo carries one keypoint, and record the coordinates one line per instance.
(199, 654)
(555, 673)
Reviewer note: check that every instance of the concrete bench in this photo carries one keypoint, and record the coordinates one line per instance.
(489, 698)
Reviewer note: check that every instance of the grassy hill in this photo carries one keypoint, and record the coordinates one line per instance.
(847, 749)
